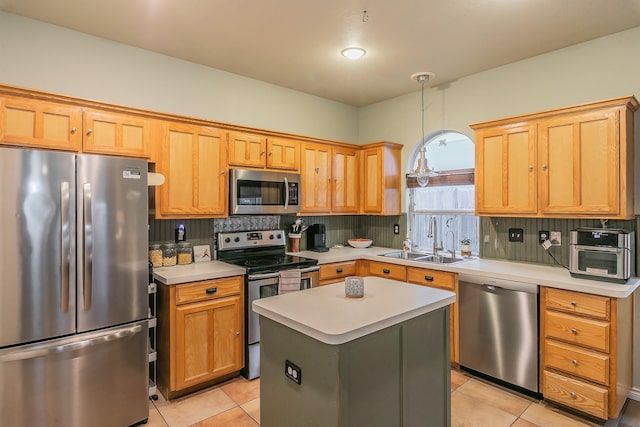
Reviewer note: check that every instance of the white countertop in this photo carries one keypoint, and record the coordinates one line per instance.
(197, 271)
(325, 314)
(555, 277)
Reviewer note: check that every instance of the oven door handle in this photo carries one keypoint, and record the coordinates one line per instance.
(277, 273)
(598, 249)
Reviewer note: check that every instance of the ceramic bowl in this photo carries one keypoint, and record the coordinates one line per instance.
(360, 243)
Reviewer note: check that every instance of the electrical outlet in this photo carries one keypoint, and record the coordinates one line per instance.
(542, 236)
(292, 371)
(181, 233)
(556, 238)
(516, 235)
(396, 229)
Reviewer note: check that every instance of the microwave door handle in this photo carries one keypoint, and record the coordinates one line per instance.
(286, 193)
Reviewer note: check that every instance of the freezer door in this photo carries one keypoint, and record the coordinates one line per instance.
(94, 379)
(37, 251)
(113, 270)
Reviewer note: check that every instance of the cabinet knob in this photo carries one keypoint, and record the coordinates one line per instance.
(574, 331)
(262, 153)
(223, 172)
(74, 129)
(573, 395)
(530, 167)
(89, 131)
(237, 334)
(573, 303)
(575, 362)
(270, 153)
(544, 166)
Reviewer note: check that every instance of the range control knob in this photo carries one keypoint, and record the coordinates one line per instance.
(270, 236)
(227, 240)
(237, 239)
(279, 236)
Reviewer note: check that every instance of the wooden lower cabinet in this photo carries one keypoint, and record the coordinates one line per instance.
(441, 280)
(387, 270)
(586, 351)
(200, 327)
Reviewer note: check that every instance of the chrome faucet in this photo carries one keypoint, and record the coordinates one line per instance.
(451, 251)
(432, 232)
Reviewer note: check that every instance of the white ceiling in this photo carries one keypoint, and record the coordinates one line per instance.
(296, 43)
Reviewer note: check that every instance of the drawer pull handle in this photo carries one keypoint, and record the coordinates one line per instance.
(428, 278)
(386, 271)
(574, 331)
(338, 270)
(573, 395)
(210, 291)
(575, 362)
(573, 303)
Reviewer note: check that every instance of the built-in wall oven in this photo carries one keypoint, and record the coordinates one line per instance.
(263, 254)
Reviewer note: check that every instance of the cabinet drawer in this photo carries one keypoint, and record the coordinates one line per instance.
(577, 361)
(576, 394)
(433, 278)
(337, 270)
(576, 330)
(208, 289)
(388, 271)
(578, 303)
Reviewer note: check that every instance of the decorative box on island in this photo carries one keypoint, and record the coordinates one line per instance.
(319, 349)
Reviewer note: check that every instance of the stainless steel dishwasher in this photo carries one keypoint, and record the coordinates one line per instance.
(499, 329)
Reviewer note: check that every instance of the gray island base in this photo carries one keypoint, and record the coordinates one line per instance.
(379, 361)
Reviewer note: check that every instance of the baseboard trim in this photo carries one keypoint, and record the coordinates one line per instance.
(634, 394)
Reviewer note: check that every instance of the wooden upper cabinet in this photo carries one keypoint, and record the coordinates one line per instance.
(247, 150)
(193, 162)
(345, 185)
(505, 170)
(315, 180)
(283, 154)
(575, 162)
(41, 124)
(381, 177)
(115, 134)
(580, 160)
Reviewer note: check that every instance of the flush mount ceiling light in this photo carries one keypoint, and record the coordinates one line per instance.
(423, 172)
(353, 52)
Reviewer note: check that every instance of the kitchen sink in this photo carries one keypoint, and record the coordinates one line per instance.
(422, 257)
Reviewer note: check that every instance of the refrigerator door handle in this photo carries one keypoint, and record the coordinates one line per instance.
(87, 241)
(65, 241)
(43, 351)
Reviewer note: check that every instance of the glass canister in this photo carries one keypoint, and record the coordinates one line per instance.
(169, 254)
(155, 255)
(184, 253)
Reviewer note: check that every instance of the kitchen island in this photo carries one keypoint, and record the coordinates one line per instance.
(380, 360)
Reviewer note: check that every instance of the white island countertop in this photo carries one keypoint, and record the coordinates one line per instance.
(325, 314)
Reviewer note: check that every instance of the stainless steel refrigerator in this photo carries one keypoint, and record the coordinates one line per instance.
(73, 289)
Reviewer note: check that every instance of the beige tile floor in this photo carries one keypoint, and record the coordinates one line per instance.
(474, 403)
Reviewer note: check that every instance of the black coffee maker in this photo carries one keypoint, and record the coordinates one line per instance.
(317, 238)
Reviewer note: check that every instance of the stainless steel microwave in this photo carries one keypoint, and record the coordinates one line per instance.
(602, 254)
(263, 192)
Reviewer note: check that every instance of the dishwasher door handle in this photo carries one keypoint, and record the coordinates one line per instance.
(493, 287)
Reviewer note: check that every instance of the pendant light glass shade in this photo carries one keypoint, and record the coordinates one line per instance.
(423, 172)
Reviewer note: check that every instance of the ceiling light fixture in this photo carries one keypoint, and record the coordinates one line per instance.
(423, 172)
(353, 52)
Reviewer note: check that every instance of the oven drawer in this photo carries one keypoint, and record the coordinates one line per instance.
(576, 394)
(576, 330)
(208, 289)
(578, 303)
(577, 361)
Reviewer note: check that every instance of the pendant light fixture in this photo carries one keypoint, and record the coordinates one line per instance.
(423, 172)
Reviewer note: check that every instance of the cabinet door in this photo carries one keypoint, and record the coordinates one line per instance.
(208, 340)
(316, 166)
(34, 123)
(345, 185)
(579, 164)
(283, 154)
(194, 165)
(505, 170)
(373, 173)
(115, 134)
(247, 150)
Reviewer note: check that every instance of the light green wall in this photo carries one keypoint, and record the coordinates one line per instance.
(50, 58)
